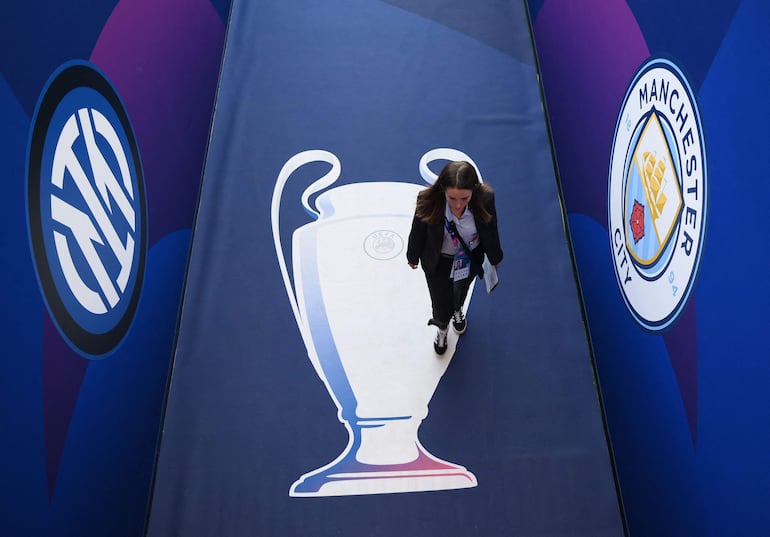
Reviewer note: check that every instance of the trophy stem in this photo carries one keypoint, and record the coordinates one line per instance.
(383, 456)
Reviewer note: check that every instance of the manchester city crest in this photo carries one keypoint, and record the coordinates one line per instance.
(658, 194)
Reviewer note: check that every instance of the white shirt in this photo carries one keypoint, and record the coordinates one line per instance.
(466, 227)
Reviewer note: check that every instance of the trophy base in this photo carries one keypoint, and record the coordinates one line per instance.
(349, 477)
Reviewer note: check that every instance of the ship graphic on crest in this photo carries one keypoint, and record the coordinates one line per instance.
(653, 200)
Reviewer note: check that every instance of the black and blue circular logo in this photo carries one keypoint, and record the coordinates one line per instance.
(87, 209)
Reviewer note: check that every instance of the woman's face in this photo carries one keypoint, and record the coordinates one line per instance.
(458, 199)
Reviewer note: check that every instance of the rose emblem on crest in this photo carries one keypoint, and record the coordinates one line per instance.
(637, 221)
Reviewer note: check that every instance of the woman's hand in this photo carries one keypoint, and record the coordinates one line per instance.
(412, 265)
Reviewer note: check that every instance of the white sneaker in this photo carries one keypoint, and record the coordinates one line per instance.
(459, 324)
(440, 343)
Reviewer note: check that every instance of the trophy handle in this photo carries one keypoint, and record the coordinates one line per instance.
(443, 153)
(292, 165)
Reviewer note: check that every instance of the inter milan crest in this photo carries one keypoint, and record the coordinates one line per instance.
(658, 194)
(86, 209)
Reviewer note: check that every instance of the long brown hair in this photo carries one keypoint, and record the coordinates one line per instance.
(431, 202)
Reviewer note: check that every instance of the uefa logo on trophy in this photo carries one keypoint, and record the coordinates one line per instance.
(350, 282)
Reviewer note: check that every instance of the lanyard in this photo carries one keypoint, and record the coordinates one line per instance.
(461, 263)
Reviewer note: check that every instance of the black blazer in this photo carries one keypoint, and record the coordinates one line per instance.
(425, 241)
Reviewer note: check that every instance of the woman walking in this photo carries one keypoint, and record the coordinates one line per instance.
(454, 227)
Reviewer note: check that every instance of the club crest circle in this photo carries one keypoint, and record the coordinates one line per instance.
(658, 194)
(86, 209)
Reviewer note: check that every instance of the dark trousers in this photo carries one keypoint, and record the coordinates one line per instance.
(446, 295)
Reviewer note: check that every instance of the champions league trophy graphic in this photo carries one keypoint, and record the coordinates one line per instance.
(362, 314)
